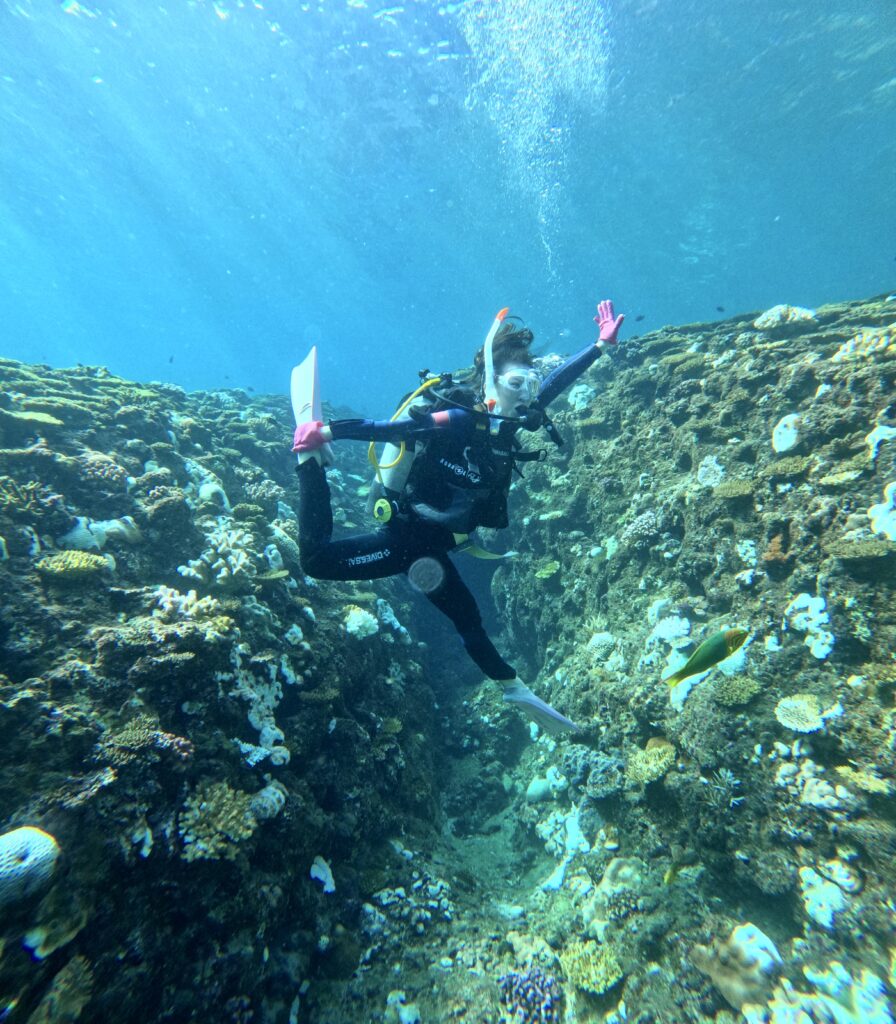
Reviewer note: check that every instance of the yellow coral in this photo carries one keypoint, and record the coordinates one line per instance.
(865, 779)
(36, 419)
(731, 490)
(651, 763)
(71, 566)
(214, 821)
(591, 966)
(732, 690)
(866, 344)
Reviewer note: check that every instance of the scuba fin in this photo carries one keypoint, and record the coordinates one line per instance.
(540, 712)
(304, 390)
(469, 547)
(307, 407)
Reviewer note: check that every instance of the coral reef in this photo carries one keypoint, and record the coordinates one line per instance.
(281, 800)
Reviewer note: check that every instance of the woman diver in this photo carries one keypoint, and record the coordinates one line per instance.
(447, 470)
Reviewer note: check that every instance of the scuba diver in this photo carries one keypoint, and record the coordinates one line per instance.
(446, 470)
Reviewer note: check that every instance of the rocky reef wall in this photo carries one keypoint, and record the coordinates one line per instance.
(229, 792)
(194, 721)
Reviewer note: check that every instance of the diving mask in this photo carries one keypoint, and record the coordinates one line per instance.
(523, 384)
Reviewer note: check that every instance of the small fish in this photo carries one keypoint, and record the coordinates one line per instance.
(721, 309)
(640, 316)
(170, 359)
(714, 649)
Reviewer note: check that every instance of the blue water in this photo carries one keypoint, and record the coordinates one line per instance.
(196, 191)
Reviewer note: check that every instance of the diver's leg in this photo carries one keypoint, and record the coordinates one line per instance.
(315, 510)
(365, 556)
(454, 599)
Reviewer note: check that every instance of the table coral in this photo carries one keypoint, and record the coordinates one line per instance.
(800, 712)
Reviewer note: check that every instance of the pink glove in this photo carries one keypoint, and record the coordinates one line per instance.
(609, 325)
(308, 437)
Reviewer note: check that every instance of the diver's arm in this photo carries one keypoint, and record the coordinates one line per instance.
(560, 379)
(311, 436)
(408, 428)
(574, 367)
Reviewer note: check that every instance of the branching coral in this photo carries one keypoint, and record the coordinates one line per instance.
(229, 560)
(100, 469)
(734, 690)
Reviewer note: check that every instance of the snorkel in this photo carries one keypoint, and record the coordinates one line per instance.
(489, 391)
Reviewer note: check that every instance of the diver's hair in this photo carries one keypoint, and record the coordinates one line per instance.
(511, 345)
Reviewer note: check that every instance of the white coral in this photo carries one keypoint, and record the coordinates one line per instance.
(172, 605)
(228, 560)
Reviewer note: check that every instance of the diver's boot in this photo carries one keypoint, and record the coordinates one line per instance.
(542, 714)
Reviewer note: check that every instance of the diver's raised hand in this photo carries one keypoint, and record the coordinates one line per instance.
(309, 437)
(608, 322)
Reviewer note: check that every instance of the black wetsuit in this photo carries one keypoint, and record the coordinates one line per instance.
(458, 482)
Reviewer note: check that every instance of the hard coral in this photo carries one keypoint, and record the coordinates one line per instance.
(651, 763)
(100, 469)
(591, 966)
(215, 821)
(800, 712)
(71, 566)
(742, 967)
(532, 996)
(27, 859)
(67, 995)
(734, 690)
(140, 738)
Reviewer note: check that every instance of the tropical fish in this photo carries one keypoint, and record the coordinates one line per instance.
(714, 649)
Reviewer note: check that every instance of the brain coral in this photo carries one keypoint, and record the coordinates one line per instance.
(27, 859)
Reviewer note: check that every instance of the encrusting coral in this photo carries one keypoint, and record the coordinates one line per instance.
(650, 764)
(71, 566)
(215, 821)
(591, 966)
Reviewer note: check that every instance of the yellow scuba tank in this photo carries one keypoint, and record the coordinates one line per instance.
(383, 509)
